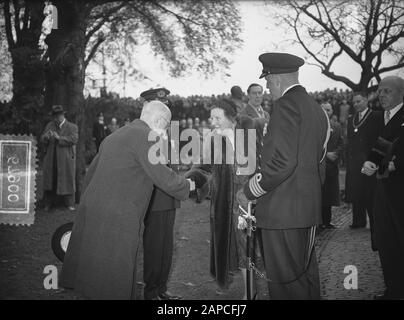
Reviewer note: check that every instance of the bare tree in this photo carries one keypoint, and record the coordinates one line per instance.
(185, 33)
(365, 30)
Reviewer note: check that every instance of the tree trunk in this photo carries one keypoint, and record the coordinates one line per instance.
(25, 112)
(66, 72)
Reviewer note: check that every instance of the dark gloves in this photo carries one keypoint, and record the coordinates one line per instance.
(197, 176)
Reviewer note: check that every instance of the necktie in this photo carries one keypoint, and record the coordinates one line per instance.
(386, 117)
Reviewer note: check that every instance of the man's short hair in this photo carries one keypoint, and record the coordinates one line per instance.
(361, 93)
(253, 85)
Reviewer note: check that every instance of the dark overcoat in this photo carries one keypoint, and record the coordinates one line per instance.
(65, 157)
(330, 190)
(360, 138)
(101, 258)
(392, 186)
(291, 164)
(227, 243)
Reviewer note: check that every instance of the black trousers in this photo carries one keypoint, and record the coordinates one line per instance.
(158, 246)
(389, 238)
(326, 215)
(285, 254)
(359, 211)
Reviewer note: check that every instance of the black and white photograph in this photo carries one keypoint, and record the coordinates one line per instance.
(205, 152)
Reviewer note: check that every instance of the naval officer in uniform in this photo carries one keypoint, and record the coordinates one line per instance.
(288, 185)
(158, 236)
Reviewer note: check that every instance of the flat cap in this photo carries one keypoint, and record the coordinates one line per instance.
(278, 63)
(155, 94)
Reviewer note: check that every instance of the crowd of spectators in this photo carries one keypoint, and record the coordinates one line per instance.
(194, 111)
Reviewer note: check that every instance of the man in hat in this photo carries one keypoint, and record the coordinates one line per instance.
(287, 186)
(158, 236)
(59, 164)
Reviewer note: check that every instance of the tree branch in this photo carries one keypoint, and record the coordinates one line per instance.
(391, 68)
(8, 26)
(179, 17)
(105, 17)
(17, 26)
(336, 77)
(93, 50)
(26, 16)
(334, 34)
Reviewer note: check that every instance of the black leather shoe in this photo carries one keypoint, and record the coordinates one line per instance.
(381, 297)
(330, 226)
(168, 296)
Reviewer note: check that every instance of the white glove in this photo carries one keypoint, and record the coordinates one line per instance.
(191, 185)
(242, 223)
(369, 168)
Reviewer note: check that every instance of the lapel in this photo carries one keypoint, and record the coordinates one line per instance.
(396, 120)
(254, 111)
(62, 128)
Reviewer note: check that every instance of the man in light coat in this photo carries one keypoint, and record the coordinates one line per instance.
(101, 258)
(59, 164)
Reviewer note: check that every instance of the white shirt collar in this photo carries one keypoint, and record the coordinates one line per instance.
(288, 88)
(394, 110)
(61, 124)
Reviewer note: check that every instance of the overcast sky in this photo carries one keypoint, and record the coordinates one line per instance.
(260, 35)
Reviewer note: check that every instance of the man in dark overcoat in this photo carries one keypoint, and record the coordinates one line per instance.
(158, 236)
(59, 164)
(363, 129)
(288, 185)
(386, 161)
(102, 255)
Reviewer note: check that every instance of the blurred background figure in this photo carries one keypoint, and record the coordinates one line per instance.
(113, 126)
(197, 123)
(99, 131)
(255, 96)
(190, 123)
(236, 96)
(330, 189)
(267, 105)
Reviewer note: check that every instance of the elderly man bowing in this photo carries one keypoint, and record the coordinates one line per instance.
(101, 258)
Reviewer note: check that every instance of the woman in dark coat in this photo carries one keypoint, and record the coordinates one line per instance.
(330, 190)
(225, 180)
